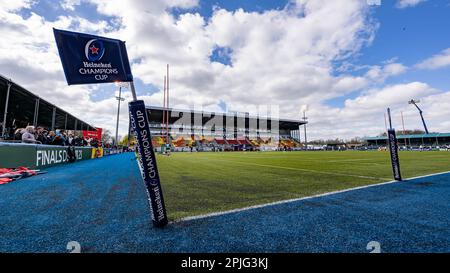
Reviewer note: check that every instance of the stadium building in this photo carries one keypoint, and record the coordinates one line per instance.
(19, 108)
(209, 131)
(416, 140)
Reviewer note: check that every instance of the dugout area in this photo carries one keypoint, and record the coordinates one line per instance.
(108, 211)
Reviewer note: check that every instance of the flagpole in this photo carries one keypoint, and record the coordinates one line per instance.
(167, 102)
(133, 91)
(164, 106)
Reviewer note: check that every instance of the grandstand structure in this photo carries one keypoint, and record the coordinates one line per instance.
(19, 108)
(432, 139)
(191, 130)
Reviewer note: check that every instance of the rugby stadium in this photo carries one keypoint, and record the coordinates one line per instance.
(100, 154)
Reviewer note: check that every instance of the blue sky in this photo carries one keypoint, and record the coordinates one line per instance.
(206, 7)
(407, 36)
(411, 35)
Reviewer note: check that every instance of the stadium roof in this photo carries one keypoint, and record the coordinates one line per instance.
(25, 108)
(156, 116)
(433, 135)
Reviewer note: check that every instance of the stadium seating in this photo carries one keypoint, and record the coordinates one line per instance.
(202, 143)
(157, 141)
(244, 141)
(297, 143)
(255, 142)
(220, 141)
(287, 143)
(179, 142)
(233, 142)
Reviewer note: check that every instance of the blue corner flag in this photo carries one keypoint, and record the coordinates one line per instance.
(92, 59)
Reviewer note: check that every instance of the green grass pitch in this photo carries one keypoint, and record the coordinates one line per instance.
(199, 183)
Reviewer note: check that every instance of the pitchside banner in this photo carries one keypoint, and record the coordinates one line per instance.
(147, 161)
(393, 148)
(97, 134)
(92, 59)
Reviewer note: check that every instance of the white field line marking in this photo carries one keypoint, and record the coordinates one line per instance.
(314, 160)
(350, 160)
(190, 218)
(303, 170)
(291, 157)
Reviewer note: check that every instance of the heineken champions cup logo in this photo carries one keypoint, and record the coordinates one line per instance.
(94, 50)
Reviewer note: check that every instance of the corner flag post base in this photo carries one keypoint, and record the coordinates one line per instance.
(393, 149)
(147, 162)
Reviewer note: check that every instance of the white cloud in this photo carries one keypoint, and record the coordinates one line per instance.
(381, 73)
(285, 52)
(8, 5)
(70, 4)
(288, 52)
(395, 95)
(437, 61)
(364, 115)
(436, 110)
(408, 3)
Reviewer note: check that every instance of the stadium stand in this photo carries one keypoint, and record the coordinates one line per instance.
(36, 133)
(208, 131)
(27, 109)
(432, 140)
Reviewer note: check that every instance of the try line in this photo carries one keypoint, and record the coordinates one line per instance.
(190, 218)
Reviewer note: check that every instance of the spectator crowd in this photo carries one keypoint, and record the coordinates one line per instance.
(40, 135)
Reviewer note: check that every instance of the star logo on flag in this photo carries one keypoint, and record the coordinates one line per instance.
(94, 50)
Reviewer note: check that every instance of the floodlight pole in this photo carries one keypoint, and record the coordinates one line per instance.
(305, 119)
(6, 108)
(421, 114)
(403, 122)
(119, 98)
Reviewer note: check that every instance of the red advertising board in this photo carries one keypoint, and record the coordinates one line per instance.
(97, 134)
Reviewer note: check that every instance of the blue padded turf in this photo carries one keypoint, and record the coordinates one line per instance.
(102, 204)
